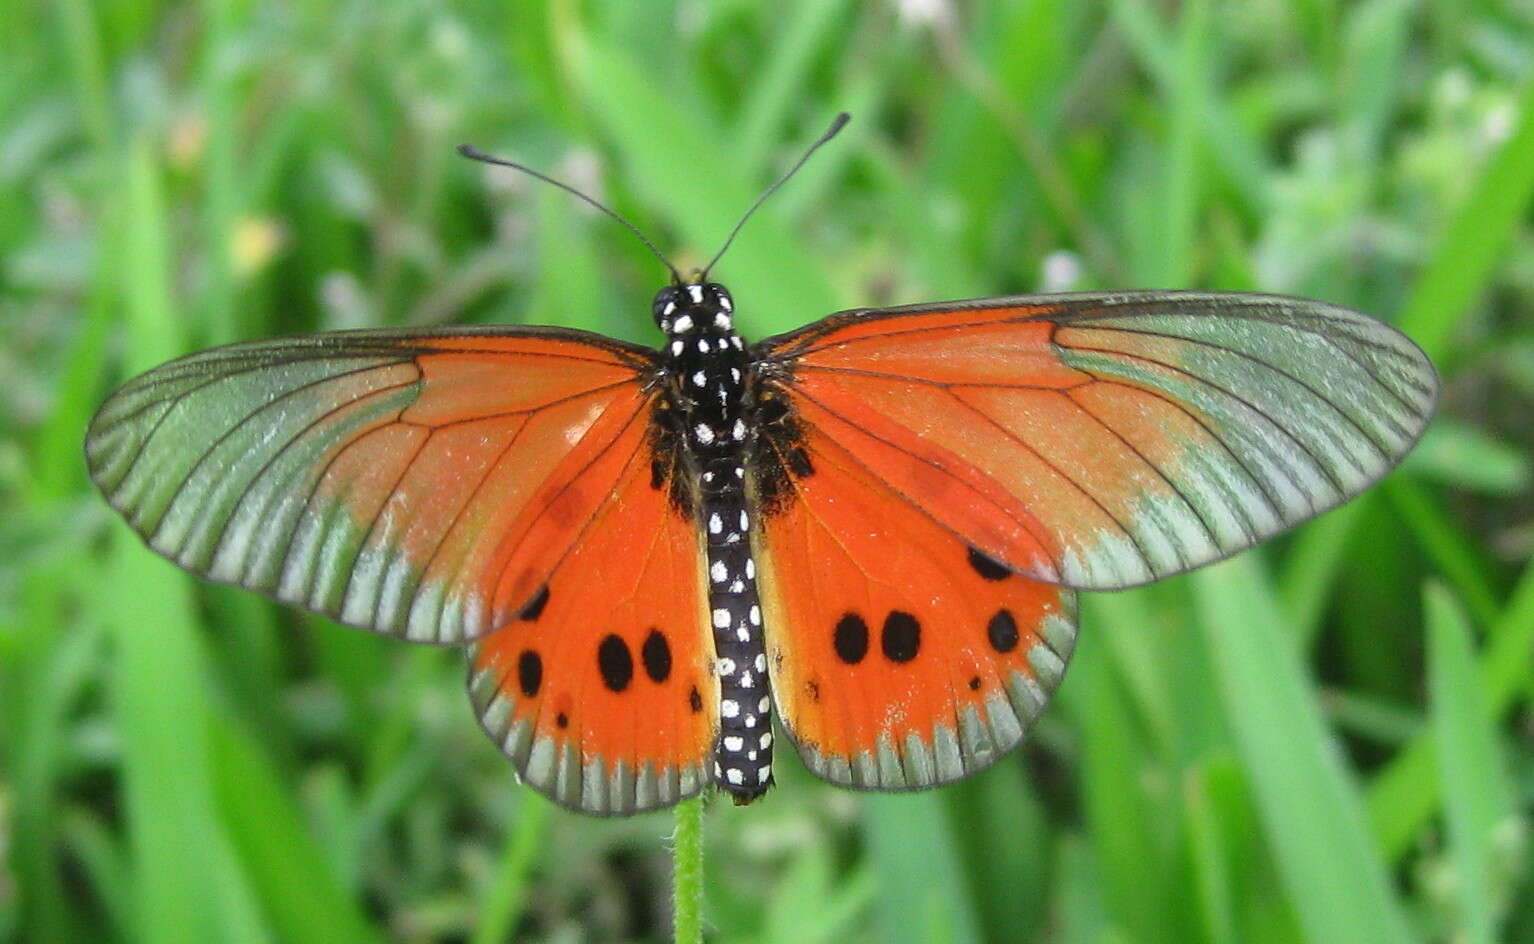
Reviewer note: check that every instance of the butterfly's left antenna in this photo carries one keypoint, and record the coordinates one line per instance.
(475, 154)
(837, 124)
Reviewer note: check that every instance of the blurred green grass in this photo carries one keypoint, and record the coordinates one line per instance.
(1325, 740)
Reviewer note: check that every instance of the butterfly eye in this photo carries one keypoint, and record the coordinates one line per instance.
(718, 296)
(665, 305)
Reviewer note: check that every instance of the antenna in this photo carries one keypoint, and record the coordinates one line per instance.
(837, 123)
(475, 154)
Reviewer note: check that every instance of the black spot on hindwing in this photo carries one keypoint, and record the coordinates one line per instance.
(901, 637)
(695, 700)
(529, 673)
(656, 655)
(1002, 631)
(615, 662)
(851, 639)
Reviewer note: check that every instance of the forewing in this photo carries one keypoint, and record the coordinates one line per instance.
(601, 693)
(900, 657)
(422, 484)
(1106, 440)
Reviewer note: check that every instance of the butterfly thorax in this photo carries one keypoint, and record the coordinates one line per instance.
(705, 363)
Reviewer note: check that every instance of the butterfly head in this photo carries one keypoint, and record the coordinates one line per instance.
(679, 309)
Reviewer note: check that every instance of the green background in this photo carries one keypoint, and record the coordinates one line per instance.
(1327, 739)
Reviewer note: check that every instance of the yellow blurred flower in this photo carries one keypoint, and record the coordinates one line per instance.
(256, 241)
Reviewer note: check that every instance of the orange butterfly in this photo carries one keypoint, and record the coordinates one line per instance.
(873, 525)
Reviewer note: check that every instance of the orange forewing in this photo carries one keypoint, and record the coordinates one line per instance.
(418, 483)
(899, 658)
(601, 691)
(1105, 440)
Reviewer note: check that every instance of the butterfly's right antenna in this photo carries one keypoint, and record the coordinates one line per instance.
(475, 154)
(837, 123)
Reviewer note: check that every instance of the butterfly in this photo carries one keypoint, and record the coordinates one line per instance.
(873, 527)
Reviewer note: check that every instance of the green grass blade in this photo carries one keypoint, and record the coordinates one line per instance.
(300, 892)
(1403, 796)
(1312, 567)
(777, 85)
(673, 161)
(506, 897)
(1475, 239)
(1477, 799)
(186, 888)
(1211, 871)
(1232, 148)
(1127, 826)
(1453, 553)
(1311, 811)
(922, 896)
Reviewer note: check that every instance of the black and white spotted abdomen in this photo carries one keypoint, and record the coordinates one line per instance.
(706, 362)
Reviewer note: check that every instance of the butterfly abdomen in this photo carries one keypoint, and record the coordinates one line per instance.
(706, 363)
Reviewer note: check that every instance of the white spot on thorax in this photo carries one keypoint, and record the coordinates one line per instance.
(704, 434)
(729, 707)
(696, 291)
(682, 324)
(715, 523)
(719, 572)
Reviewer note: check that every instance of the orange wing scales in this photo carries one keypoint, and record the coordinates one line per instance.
(416, 483)
(602, 692)
(1103, 441)
(900, 658)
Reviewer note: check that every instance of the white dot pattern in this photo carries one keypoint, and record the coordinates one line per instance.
(709, 367)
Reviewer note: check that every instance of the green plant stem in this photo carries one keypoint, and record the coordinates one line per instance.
(508, 892)
(687, 864)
